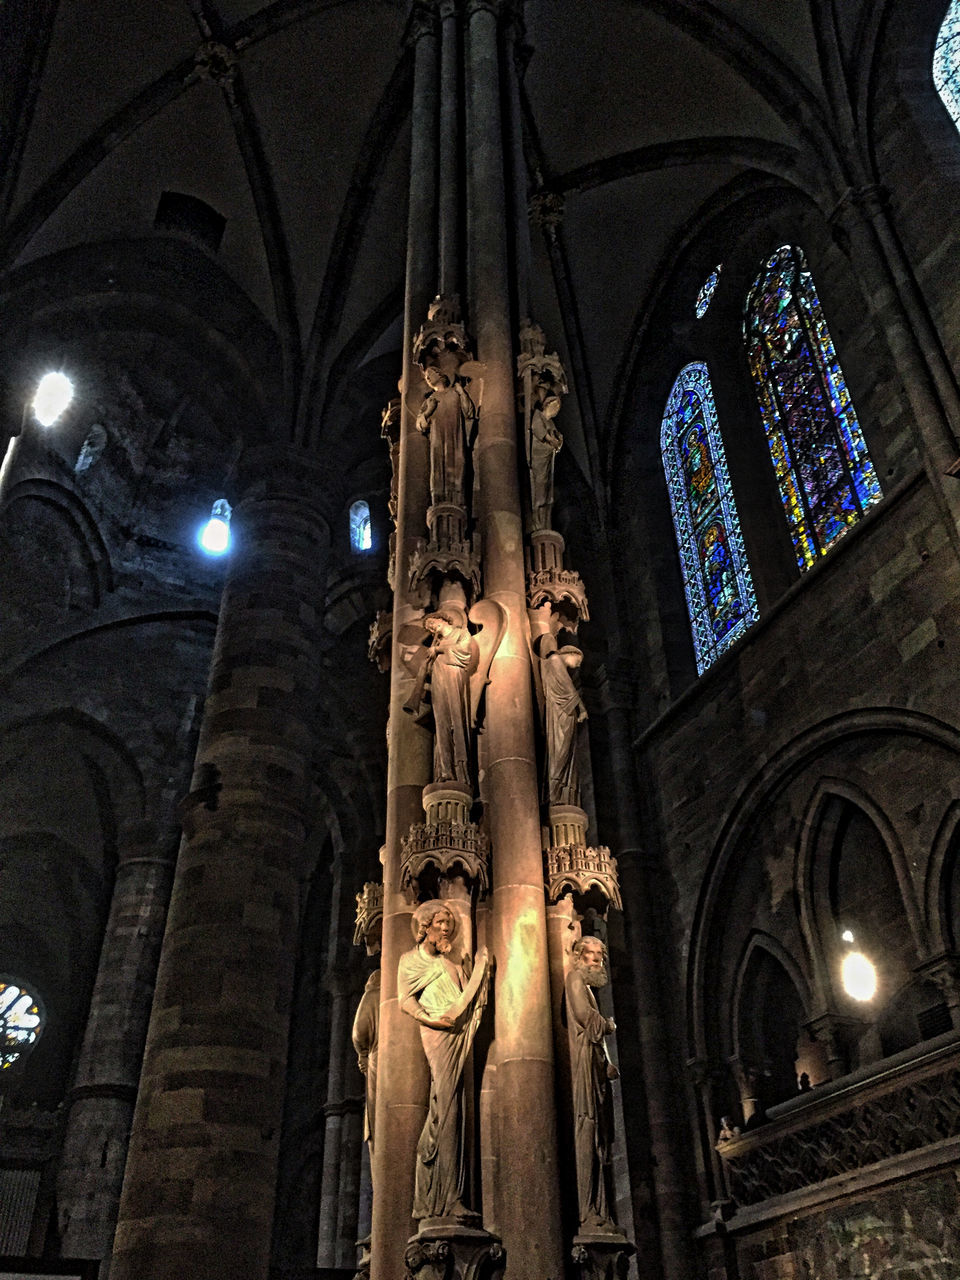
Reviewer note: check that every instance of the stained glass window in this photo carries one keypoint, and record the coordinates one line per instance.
(946, 62)
(716, 576)
(706, 291)
(819, 454)
(360, 531)
(20, 1022)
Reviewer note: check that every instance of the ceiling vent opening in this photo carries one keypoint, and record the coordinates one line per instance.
(190, 216)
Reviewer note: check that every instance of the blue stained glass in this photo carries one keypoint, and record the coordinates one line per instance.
(946, 62)
(706, 291)
(716, 576)
(818, 451)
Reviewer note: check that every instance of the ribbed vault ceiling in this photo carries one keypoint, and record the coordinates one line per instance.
(291, 120)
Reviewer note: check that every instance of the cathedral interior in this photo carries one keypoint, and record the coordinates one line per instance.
(527, 843)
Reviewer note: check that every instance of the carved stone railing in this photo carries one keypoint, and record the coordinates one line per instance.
(854, 1125)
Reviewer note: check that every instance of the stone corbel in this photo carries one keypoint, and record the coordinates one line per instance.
(381, 637)
(600, 1258)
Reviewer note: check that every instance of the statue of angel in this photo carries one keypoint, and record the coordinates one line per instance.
(455, 668)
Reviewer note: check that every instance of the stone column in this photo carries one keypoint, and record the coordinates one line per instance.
(403, 1078)
(100, 1104)
(449, 152)
(343, 1112)
(198, 1194)
(527, 1212)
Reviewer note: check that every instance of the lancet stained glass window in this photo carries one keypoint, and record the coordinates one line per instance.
(819, 454)
(716, 576)
(21, 1022)
(946, 62)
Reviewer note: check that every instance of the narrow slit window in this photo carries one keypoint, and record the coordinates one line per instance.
(361, 533)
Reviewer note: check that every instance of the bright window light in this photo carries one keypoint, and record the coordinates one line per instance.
(215, 534)
(360, 531)
(859, 976)
(53, 395)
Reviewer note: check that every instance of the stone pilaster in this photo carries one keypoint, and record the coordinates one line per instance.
(198, 1195)
(100, 1104)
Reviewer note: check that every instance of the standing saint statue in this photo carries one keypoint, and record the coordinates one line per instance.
(564, 712)
(365, 1038)
(447, 417)
(544, 442)
(592, 1070)
(447, 997)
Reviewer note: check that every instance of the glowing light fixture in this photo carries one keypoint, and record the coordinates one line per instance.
(215, 534)
(53, 395)
(857, 973)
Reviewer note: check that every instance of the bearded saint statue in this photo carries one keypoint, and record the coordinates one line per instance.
(446, 994)
(592, 1070)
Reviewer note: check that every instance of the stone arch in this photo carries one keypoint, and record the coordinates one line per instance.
(942, 889)
(754, 801)
(73, 514)
(818, 835)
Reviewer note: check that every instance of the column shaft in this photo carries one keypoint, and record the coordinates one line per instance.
(200, 1184)
(403, 1078)
(527, 1171)
(102, 1099)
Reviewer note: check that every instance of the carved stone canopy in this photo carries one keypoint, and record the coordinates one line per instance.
(579, 869)
(369, 916)
(447, 843)
(442, 340)
(548, 582)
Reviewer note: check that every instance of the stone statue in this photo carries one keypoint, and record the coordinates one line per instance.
(457, 666)
(365, 1035)
(591, 1069)
(446, 996)
(447, 417)
(450, 660)
(563, 712)
(544, 442)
